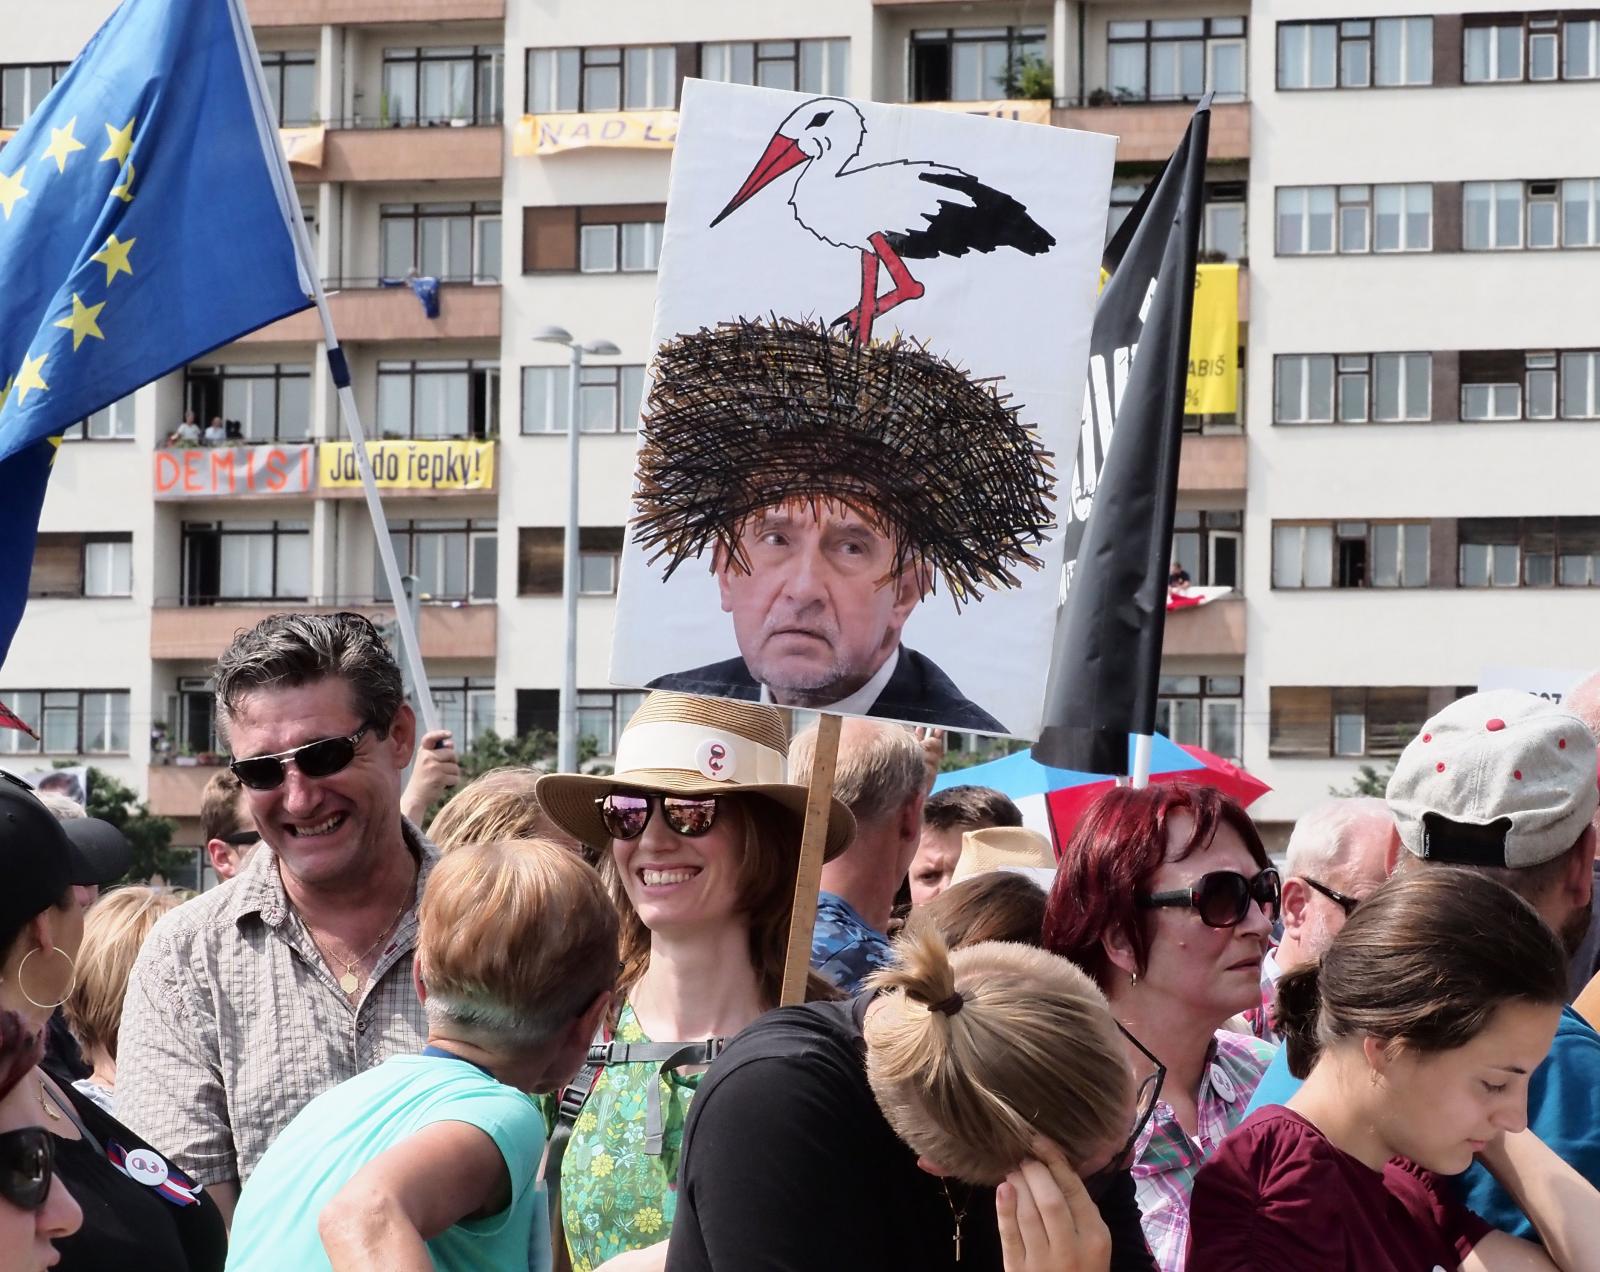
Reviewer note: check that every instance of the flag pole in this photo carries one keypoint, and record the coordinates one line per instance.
(338, 367)
(1142, 744)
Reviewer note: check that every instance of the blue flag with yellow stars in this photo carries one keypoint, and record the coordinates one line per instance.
(142, 224)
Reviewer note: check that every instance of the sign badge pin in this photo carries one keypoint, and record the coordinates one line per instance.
(147, 1168)
(716, 760)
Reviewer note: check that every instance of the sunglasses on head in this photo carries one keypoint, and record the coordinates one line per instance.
(27, 1160)
(1222, 898)
(322, 758)
(1346, 903)
(625, 816)
(1144, 1106)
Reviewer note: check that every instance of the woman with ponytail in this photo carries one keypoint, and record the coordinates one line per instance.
(1415, 1033)
(973, 1110)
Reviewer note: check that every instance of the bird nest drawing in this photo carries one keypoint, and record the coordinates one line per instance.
(751, 415)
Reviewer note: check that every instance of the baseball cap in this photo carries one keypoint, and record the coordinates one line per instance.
(40, 857)
(1499, 778)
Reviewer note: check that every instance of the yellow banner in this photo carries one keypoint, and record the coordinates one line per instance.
(626, 129)
(1023, 110)
(441, 465)
(1214, 342)
(303, 145)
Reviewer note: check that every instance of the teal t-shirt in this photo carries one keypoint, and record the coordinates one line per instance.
(339, 1132)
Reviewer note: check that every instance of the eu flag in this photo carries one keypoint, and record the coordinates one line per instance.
(143, 222)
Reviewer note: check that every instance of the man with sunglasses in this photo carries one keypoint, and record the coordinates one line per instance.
(225, 821)
(294, 975)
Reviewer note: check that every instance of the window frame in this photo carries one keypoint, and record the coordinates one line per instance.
(1208, 39)
(119, 589)
(13, 121)
(218, 376)
(621, 704)
(1208, 528)
(1211, 692)
(1305, 417)
(476, 534)
(477, 214)
(487, 69)
(275, 64)
(1019, 42)
(277, 529)
(611, 375)
(120, 415)
(576, 61)
(817, 49)
(1351, 531)
(1345, 33)
(16, 742)
(482, 422)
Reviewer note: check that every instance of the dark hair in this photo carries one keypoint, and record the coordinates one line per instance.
(1423, 963)
(970, 808)
(284, 651)
(999, 905)
(20, 1049)
(1115, 850)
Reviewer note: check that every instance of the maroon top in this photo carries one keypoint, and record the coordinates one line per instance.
(1278, 1194)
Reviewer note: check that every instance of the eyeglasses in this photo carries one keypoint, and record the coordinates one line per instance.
(626, 816)
(243, 838)
(1345, 903)
(1222, 898)
(323, 758)
(1144, 1106)
(27, 1160)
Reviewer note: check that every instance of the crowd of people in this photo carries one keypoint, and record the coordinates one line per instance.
(539, 1027)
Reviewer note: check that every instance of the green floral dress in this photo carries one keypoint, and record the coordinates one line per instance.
(615, 1196)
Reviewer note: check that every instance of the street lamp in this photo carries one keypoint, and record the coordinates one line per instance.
(567, 738)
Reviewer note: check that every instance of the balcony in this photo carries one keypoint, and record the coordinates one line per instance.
(175, 790)
(1148, 132)
(311, 13)
(1206, 631)
(1212, 464)
(466, 312)
(202, 632)
(404, 154)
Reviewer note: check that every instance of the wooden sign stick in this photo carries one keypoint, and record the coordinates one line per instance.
(808, 878)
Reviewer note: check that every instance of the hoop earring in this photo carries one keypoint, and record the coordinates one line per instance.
(72, 980)
(1133, 979)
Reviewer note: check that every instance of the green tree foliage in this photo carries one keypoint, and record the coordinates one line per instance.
(150, 835)
(1029, 77)
(1368, 781)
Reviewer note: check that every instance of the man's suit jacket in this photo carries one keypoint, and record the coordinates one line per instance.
(918, 691)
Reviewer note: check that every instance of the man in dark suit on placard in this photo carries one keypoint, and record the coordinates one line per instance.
(831, 486)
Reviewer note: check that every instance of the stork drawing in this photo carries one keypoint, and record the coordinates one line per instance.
(891, 212)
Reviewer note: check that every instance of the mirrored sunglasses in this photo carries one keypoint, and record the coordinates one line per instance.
(626, 816)
(1223, 897)
(27, 1160)
(322, 758)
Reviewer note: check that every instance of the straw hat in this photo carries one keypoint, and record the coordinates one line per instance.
(678, 744)
(1014, 848)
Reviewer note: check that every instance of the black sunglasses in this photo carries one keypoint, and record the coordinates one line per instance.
(27, 1160)
(241, 838)
(626, 816)
(1144, 1106)
(1222, 898)
(322, 758)
(1346, 903)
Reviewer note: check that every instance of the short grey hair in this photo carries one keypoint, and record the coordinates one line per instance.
(62, 807)
(1322, 838)
(284, 651)
(879, 771)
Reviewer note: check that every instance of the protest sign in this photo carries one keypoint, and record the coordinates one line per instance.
(452, 464)
(1214, 342)
(535, 135)
(207, 472)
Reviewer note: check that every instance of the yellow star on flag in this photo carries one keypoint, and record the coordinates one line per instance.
(29, 377)
(82, 322)
(11, 189)
(120, 142)
(62, 144)
(5, 391)
(125, 190)
(114, 256)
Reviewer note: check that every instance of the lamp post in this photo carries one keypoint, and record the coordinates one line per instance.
(567, 738)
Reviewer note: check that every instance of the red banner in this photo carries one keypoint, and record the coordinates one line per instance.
(9, 719)
(204, 472)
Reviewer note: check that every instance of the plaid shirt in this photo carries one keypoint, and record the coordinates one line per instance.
(1166, 1159)
(1261, 1019)
(233, 1023)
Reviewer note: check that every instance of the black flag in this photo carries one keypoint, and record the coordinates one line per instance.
(1107, 659)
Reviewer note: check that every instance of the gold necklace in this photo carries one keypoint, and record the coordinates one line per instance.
(956, 1216)
(46, 1104)
(350, 982)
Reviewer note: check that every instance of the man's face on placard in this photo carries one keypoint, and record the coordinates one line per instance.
(818, 611)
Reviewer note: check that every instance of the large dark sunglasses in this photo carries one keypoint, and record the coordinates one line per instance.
(1346, 903)
(1222, 898)
(323, 758)
(27, 1160)
(626, 816)
(1144, 1105)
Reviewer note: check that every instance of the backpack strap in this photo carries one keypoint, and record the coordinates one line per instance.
(570, 1104)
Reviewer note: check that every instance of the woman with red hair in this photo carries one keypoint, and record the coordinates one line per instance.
(1166, 897)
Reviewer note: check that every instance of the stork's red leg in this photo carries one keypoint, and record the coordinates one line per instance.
(859, 319)
(905, 287)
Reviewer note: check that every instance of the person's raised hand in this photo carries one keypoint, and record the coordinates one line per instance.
(1048, 1223)
(931, 741)
(437, 770)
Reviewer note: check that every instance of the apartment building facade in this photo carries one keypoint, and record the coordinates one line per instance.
(1409, 444)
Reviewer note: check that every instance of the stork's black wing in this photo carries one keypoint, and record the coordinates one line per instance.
(993, 220)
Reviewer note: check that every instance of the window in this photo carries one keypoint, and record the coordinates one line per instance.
(193, 712)
(540, 564)
(265, 402)
(69, 722)
(1542, 214)
(1304, 390)
(971, 64)
(602, 715)
(608, 399)
(1305, 219)
(73, 565)
(466, 707)
(1580, 223)
(1403, 52)
(1490, 553)
(1491, 53)
(1355, 218)
(1355, 53)
(1386, 387)
(630, 247)
(1350, 554)
(623, 237)
(1202, 711)
(1491, 401)
(114, 422)
(442, 86)
(108, 566)
(1321, 722)
(246, 561)
(1491, 215)
(1206, 544)
(22, 88)
(451, 560)
(808, 66)
(1580, 386)
(291, 86)
(1402, 218)
(642, 77)
(438, 399)
(1541, 386)
(1581, 37)
(1222, 222)
(1176, 59)
(1529, 551)
(1308, 54)
(453, 242)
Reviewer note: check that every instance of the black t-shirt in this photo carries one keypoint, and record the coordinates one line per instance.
(789, 1166)
(127, 1226)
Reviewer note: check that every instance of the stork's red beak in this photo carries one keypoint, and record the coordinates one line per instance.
(782, 154)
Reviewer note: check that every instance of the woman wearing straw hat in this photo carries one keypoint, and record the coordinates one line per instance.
(700, 839)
